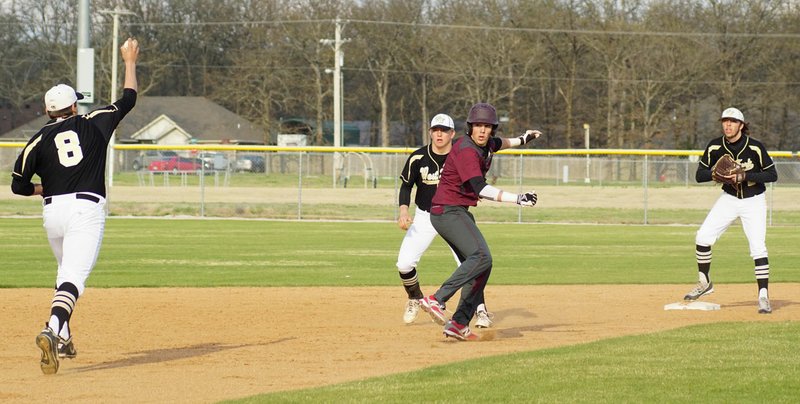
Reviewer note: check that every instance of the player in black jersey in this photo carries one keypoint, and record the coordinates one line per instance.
(422, 170)
(69, 156)
(744, 199)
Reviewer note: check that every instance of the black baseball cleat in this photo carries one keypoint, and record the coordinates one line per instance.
(47, 341)
(66, 349)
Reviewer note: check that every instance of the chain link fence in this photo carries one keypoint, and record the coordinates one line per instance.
(319, 184)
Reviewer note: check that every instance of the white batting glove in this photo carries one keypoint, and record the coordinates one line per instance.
(527, 199)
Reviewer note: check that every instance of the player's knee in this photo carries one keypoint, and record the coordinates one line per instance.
(75, 284)
(405, 267)
(484, 260)
(758, 252)
(69, 287)
(704, 239)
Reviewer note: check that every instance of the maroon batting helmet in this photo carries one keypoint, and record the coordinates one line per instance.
(483, 113)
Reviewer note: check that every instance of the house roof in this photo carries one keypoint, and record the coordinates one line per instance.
(201, 118)
(160, 129)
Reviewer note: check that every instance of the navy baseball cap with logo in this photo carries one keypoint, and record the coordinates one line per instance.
(61, 96)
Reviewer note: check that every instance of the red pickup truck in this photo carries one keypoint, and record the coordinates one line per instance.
(176, 164)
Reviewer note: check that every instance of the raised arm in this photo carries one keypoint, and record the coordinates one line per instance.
(130, 53)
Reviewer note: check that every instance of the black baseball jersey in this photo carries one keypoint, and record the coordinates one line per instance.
(69, 154)
(758, 165)
(422, 169)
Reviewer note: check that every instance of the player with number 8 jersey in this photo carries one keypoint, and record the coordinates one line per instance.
(69, 156)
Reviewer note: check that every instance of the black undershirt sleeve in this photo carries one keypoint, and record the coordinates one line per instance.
(405, 194)
(478, 183)
(20, 187)
(769, 175)
(703, 174)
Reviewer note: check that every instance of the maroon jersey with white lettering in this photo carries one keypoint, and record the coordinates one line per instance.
(466, 160)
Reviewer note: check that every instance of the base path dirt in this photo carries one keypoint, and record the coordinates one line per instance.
(203, 345)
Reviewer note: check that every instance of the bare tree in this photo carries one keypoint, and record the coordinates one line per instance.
(308, 60)
(567, 51)
(383, 48)
(644, 68)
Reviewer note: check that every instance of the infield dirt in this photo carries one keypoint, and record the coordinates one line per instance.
(202, 345)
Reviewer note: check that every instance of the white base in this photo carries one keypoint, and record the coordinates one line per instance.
(692, 306)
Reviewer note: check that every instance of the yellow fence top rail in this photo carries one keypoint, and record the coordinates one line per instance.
(406, 150)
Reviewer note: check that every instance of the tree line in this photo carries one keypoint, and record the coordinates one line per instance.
(639, 73)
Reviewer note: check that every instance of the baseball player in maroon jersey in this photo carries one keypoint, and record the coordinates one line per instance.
(462, 183)
(69, 156)
(743, 199)
(422, 169)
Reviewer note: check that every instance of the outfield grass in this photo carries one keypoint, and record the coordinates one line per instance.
(734, 362)
(204, 253)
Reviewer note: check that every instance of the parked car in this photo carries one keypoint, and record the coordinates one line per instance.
(148, 156)
(253, 163)
(176, 164)
(215, 161)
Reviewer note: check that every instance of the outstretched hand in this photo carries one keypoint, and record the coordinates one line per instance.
(530, 135)
(527, 199)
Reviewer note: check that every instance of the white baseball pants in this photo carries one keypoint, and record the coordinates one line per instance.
(753, 214)
(75, 231)
(418, 238)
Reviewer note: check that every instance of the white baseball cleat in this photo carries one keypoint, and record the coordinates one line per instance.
(412, 310)
(764, 306)
(483, 319)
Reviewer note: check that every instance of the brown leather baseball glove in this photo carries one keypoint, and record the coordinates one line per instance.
(727, 171)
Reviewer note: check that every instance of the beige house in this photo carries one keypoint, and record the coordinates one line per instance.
(162, 130)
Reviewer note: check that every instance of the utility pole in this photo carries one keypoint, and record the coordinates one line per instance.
(114, 67)
(586, 179)
(337, 43)
(85, 79)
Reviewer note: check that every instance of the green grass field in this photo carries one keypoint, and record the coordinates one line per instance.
(720, 363)
(732, 362)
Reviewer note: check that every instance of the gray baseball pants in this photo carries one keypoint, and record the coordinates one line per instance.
(457, 226)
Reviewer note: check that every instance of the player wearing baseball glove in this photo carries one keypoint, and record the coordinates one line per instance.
(742, 165)
(727, 171)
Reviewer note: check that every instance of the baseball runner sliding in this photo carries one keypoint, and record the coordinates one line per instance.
(69, 156)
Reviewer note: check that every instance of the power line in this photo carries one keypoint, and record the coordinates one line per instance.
(779, 35)
(588, 31)
(436, 73)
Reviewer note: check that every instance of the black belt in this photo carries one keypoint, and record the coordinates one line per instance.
(89, 197)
